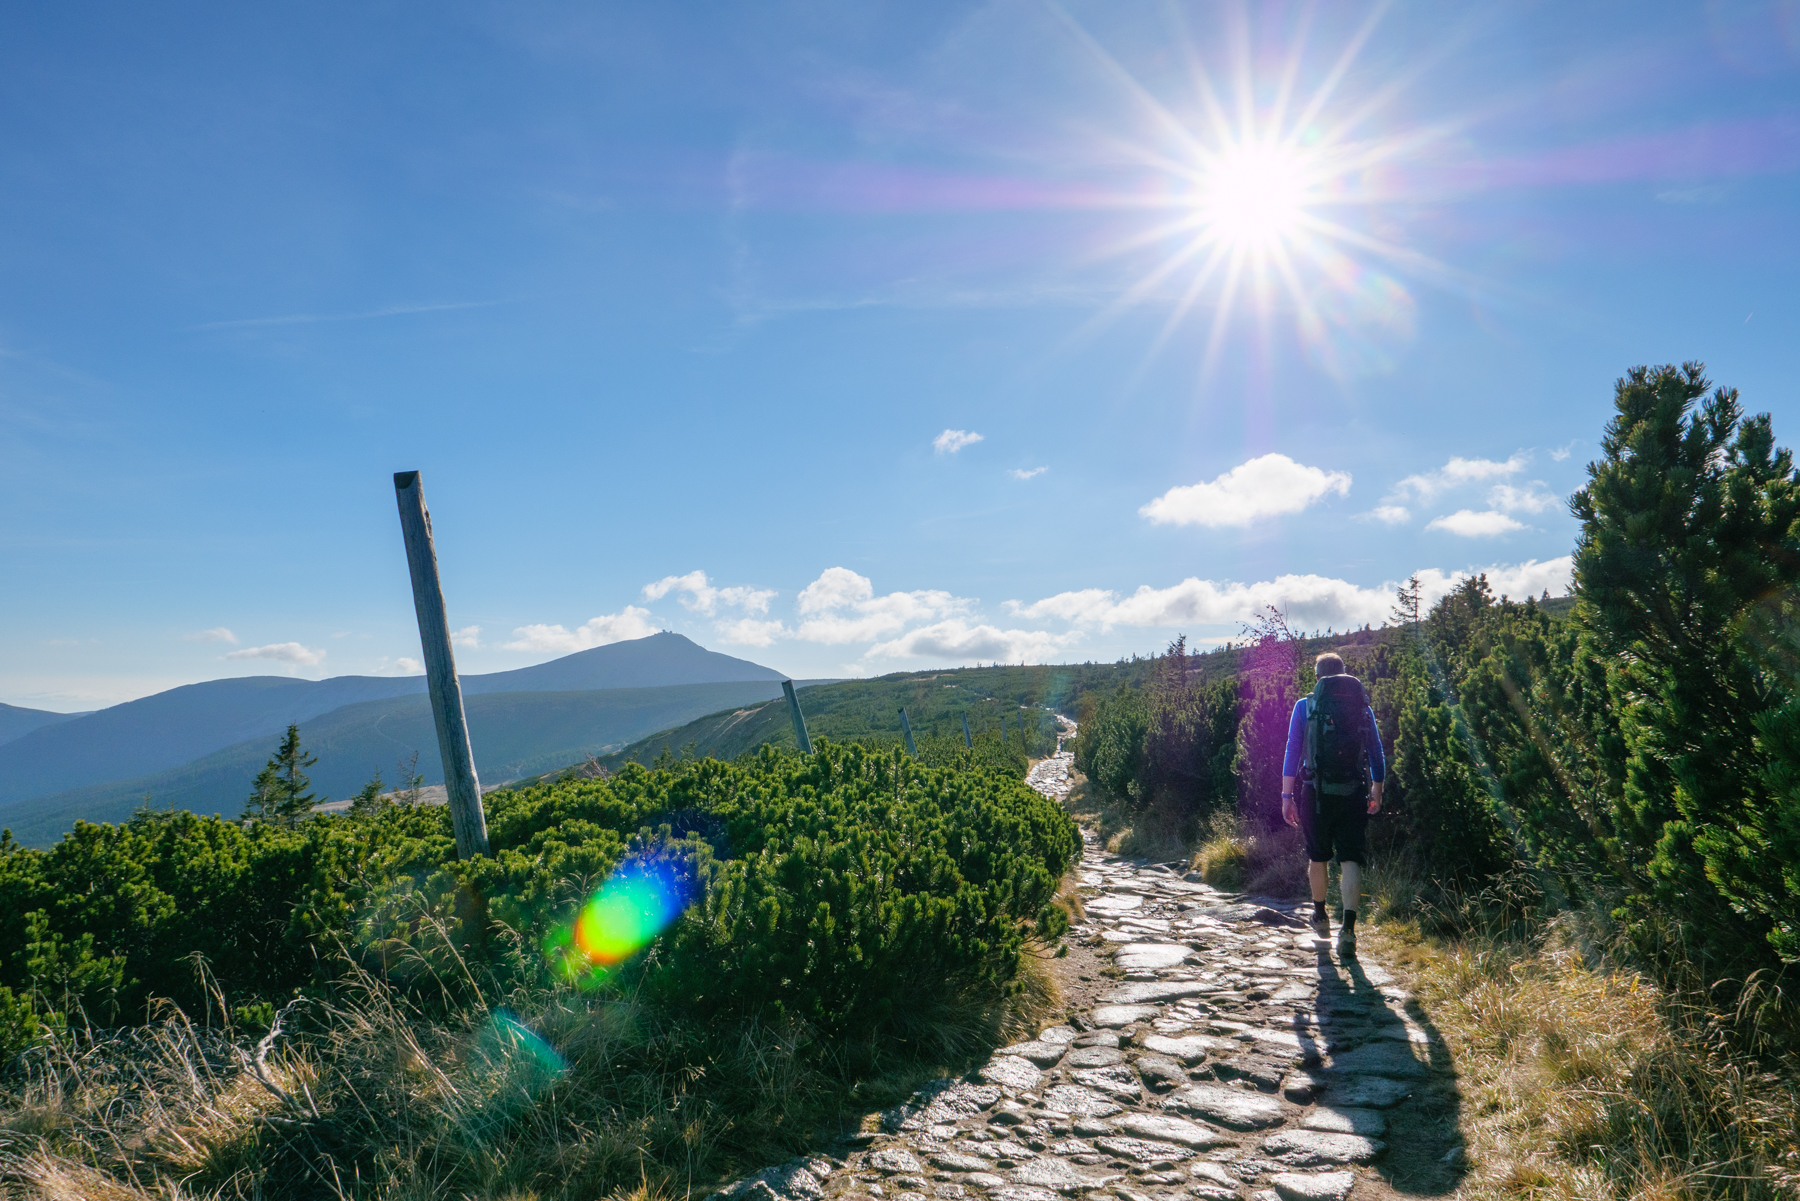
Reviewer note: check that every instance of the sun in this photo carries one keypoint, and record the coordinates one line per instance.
(1253, 196)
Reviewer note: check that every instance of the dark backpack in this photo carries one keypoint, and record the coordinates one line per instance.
(1336, 762)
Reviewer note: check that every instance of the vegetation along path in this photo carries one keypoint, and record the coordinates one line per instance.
(1213, 1047)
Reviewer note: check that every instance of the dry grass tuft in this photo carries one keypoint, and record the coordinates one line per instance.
(1586, 1081)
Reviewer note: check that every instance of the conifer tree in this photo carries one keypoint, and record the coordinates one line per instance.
(279, 795)
(1689, 523)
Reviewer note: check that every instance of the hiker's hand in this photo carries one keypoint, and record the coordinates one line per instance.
(1374, 800)
(1289, 813)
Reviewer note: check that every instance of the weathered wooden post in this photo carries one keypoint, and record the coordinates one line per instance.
(787, 686)
(461, 785)
(906, 729)
(967, 741)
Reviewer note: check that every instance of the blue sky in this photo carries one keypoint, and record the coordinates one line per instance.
(691, 315)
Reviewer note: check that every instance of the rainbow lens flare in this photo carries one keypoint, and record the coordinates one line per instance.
(636, 903)
(508, 1041)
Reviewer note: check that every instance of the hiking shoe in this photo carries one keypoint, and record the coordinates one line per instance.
(1346, 945)
(1321, 921)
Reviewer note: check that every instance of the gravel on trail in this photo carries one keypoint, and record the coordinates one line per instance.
(1213, 1047)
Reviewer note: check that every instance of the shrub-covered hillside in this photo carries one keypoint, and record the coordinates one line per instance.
(833, 918)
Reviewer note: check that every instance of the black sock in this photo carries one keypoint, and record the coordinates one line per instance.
(1349, 917)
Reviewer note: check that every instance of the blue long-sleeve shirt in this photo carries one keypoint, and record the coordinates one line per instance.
(1296, 743)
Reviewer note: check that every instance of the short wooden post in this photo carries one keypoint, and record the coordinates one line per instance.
(461, 785)
(787, 686)
(906, 729)
(967, 741)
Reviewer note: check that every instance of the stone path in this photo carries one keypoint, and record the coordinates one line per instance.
(1213, 1048)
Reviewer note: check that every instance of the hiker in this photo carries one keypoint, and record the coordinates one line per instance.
(1334, 752)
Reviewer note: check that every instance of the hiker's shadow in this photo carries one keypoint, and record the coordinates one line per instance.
(1377, 1052)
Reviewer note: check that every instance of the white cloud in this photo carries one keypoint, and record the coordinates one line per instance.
(622, 626)
(699, 596)
(1263, 487)
(1563, 452)
(1310, 601)
(1515, 580)
(1533, 498)
(216, 634)
(1428, 486)
(951, 441)
(281, 652)
(958, 641)
(1391, 514)
(1020, 473)
(747, 631)
(469, 636)
(841, 606)
(1467, 523)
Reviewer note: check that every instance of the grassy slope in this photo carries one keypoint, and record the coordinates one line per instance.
(935, 702)
(514, 734)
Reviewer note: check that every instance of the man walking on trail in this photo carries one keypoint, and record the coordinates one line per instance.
(1334, 753)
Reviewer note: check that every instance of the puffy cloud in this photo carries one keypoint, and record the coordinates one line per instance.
(1310, 601)
(841, 606)
(1020, 473)
(748, 631)
(1562, 452)
(1515, 580)
(630, 622)
(1429, 485)
(405, 665)
(281, 652)
(1263, 487)
(216, 634)
(1467, 523)
(958, 641)
(951, 441)
(1391, 514)
(1533, 498)
(699, 596)
(469, 636)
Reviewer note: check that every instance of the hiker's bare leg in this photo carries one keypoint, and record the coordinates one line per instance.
(1316, 874)
(1349, 886)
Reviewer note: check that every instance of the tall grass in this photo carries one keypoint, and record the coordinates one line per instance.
(540, 1095)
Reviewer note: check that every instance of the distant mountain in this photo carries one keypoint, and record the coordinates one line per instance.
(156, 733)
(16, 722)
(514, 734)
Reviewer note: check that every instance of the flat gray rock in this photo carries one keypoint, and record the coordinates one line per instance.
(895, 1161)
(1149, 956)
(1010, 1071)
(1302, 1087)
(952, 1161)
(1023, 1194)
(1313, 1186)
(1114, 902)
(1079, 1102)
(1233, 1107)
(1116, 1081)
(1313, 1148)
(1094, 1057)
(940, 1103)
(1143, 1150)
(1379, 1059)
(1366, 1092)
(1173, 1130)
(1160, 1072)
(1058, 1034)
(1166, 990)
(1122, 1015)
(1040, 1053)
(1189, 1048)
(984, 1180)
(1370, 1123)
(1058, 1175)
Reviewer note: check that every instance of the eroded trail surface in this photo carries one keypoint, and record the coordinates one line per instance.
(1235, 1057)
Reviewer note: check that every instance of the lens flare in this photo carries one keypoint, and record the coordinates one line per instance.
(1254, 194)
(636, 904)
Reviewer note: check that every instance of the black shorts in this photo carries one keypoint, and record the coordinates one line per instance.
(1339, 824)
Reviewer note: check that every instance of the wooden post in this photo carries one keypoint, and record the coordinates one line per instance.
(906, 729)
(787, 686)
(967, 741)
(461, 785)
